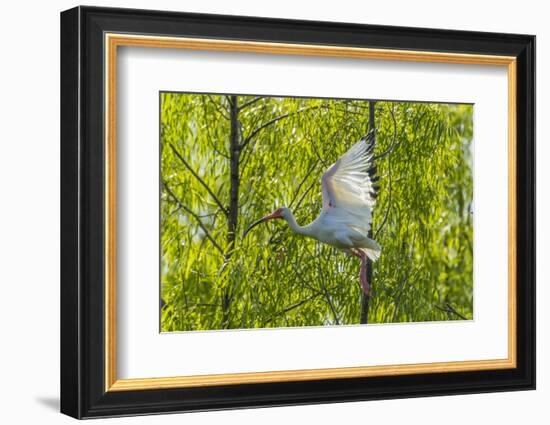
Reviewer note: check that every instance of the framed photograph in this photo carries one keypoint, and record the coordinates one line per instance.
(261, 212)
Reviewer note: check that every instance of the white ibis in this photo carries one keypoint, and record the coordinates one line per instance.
(348, 199)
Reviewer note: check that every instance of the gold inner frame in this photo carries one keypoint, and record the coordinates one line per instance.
(113, 41)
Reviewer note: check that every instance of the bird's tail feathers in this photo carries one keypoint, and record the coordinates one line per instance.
(374, 252)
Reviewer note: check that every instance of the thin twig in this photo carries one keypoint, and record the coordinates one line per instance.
(450, 310)
(195, 216)
(209, 134)
(251, 102)
(217, 107)
(302, 280)
(292, 307)
(261, 127)
(201, 181)
(273, 121)
(317, 154)
(308, 173)
(203, 305)
(393, 144)
(314, 183)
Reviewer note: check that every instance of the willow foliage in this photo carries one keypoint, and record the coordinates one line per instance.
(229, 160)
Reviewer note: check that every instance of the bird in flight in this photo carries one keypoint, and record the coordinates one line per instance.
(346, 216)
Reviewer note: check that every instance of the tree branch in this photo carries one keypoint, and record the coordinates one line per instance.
(393, 143)
(250, 102)
(201, 181)
(450, 310)
(209, 133)
(194, 215)
(318, 155)
(386, 214)
(273, 121)
(299, 203)
(217, 107)
(302, 183)
(303, 282)
(292, 307)
(365, 298)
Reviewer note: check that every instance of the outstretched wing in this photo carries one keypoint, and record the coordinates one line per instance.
(348, 184)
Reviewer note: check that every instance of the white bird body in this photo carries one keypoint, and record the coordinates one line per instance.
(348, 199)
(334, 228)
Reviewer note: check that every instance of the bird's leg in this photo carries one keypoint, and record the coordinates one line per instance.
(363, 270)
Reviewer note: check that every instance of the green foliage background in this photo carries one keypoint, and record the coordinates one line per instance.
(274, 150)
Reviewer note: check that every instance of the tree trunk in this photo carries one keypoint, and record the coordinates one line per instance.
(233, 209)
(366, 298)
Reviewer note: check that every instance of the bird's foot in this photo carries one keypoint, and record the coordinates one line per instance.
(362, 271)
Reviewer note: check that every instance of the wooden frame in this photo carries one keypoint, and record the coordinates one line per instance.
(90, 38)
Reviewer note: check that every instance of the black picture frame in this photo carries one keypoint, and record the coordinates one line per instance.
(83, 392)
